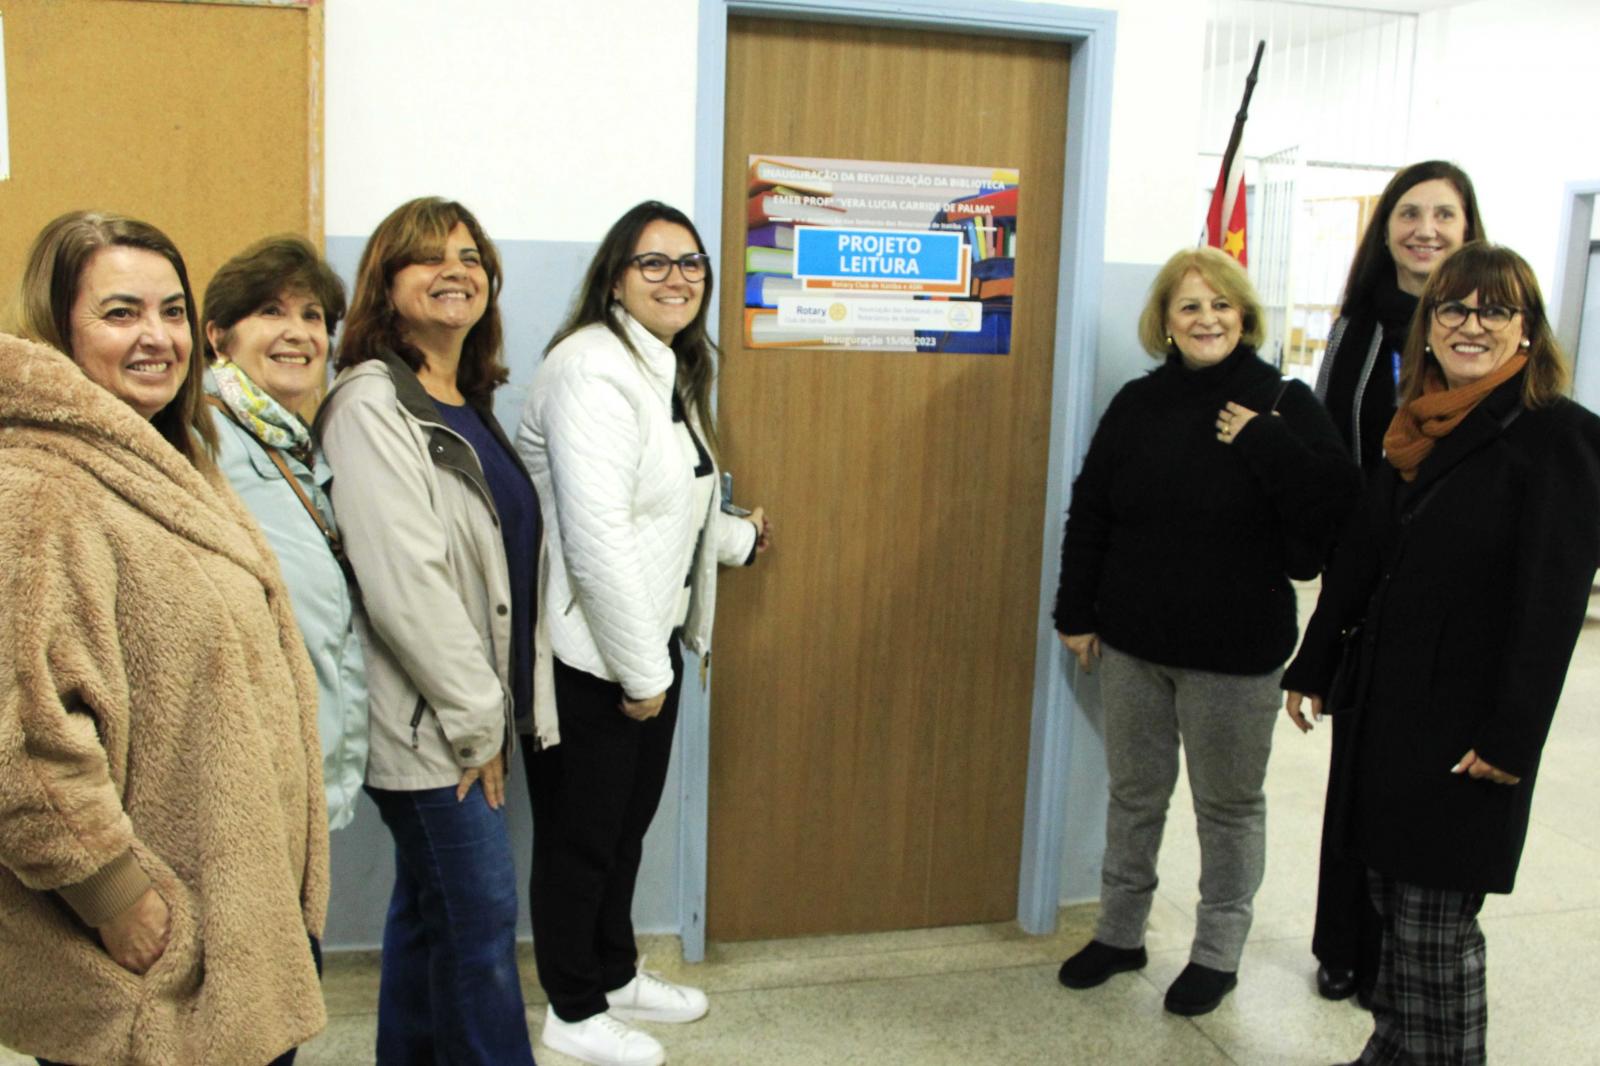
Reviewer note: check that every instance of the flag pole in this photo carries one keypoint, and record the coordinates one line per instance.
(1237, 135)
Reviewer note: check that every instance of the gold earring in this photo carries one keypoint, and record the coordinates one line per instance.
(1170, 341)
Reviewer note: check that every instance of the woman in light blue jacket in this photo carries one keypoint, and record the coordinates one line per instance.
(269, 314)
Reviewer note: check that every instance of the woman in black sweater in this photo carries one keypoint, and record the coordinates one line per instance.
(1209, 481)
(1468, 571)
(1427, 211)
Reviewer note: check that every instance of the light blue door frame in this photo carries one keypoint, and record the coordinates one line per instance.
(1091, 35)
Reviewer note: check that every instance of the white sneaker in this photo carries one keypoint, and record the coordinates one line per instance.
(602, 1040)
(649, 997)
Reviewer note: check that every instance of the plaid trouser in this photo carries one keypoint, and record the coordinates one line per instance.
(1430, 1003)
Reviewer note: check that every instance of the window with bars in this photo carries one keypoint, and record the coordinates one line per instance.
(1329, 124)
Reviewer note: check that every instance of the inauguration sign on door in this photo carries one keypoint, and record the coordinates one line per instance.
(896, 257)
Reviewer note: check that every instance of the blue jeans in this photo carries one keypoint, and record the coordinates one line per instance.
(449, 992)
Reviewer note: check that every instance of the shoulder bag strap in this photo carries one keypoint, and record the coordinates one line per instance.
(1283, 387)
(328, 533)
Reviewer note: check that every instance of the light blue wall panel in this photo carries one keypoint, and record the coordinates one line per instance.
(1120, 357)
(1120, 360)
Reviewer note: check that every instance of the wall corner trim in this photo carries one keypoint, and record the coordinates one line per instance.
(1572, 261)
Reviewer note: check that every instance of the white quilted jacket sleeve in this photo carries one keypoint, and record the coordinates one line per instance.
(734, 538)
(594, 434)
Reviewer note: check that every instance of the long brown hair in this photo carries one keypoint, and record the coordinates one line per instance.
(1373, 265)
(692, 347)
(1499, 276)
(414, 232)
(50, 281)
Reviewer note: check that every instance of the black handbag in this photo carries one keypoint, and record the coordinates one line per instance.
(1344, 688)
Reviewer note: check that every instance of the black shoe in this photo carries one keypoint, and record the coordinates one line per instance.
(1334, 983)
(1198, 990)
(1096, 962)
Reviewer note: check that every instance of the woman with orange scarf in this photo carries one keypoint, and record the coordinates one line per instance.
(1447, 619)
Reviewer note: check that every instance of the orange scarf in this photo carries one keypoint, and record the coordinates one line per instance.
(1419, 425)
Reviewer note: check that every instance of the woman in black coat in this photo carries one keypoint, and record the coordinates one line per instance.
(1208, 482)
(1427, 211)
(1468, 573)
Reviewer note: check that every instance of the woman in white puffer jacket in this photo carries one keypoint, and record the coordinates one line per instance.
(618, 437)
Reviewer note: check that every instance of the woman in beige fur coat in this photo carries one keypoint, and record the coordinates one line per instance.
(163, 842)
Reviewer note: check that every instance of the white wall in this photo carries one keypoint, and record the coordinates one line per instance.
(1506, 88)
(550, 119)
(1155, 129)
(547, 119)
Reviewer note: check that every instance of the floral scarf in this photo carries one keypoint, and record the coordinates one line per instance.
(1419, 425)
(272, 423)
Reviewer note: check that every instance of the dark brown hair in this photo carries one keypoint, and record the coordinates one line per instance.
(1373, 265)
(1499, 276)
(257, 275)
(692, 347)
(414, 232)
(56, 263)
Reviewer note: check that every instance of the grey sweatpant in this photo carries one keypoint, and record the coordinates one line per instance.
(1225, 723)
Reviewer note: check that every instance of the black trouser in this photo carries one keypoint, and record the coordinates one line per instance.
(1348, 931)
(594, 795)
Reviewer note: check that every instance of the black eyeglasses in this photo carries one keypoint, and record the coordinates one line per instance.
(1492, 317)
(657, 267)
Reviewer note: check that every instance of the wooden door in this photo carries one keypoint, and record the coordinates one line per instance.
(874, 673)
(204, 119)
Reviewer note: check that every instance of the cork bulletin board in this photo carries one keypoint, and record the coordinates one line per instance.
(203, 118)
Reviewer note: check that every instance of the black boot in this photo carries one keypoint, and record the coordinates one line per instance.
(1096, 962)
(1198, 990)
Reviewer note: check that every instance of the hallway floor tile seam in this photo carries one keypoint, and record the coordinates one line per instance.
(1192, 1023)
(961, 936)
(841, 981)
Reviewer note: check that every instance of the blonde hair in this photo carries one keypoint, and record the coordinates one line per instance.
(1218, 270)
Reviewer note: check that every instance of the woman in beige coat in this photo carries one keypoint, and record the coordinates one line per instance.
(163, 840)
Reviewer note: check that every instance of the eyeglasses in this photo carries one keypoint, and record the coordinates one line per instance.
(657, 267)
(1492, 317)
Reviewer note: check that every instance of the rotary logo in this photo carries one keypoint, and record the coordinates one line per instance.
(961, 314)
(837, 312)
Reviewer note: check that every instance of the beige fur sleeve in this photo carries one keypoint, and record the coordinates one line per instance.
(61, 816)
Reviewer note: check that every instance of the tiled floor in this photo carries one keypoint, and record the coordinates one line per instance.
(987, 995)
